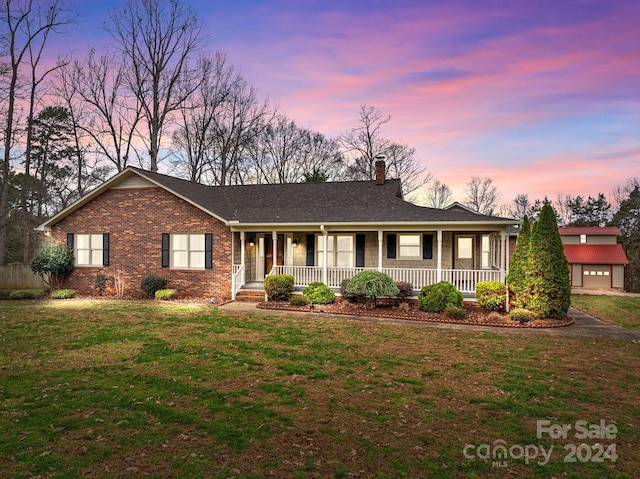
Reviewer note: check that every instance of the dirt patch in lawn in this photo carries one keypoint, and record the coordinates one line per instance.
(411, 312)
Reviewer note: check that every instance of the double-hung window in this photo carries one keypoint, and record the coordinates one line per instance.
(89, 249)
(409, 246)
(340, 251)
(187, 251)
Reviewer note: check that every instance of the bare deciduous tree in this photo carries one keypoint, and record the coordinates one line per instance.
(482, 195)
(364, 143)
(109, 112)
(438, 195)
(158, 39)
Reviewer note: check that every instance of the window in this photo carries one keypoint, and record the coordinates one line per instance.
(89, 249)
(486, 251)
(409, 246)
(465, 248)
(583, 239)
(187, 251)
(340, 251)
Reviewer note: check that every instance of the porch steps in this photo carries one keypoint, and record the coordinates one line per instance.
(250, 295)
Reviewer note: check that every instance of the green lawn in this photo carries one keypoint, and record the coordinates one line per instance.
(145, 389)
(621, 310)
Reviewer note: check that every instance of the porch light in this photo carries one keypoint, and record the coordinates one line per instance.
(252, 241)
(295, 242)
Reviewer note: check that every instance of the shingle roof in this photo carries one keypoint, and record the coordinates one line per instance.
(595, 254)
(334, 202)
(589, 230)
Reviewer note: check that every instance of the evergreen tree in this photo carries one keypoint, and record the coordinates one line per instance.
(548, 280)
(516, 277)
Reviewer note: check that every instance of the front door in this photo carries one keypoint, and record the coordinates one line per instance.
(268, 252)
(464, 252)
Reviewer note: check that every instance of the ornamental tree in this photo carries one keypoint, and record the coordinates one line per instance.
(53, 262)
(547, 283)
(516, 278)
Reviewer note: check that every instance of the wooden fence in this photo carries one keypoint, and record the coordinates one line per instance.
(19, 276)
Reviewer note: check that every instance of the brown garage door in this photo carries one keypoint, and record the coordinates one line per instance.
(596, 276)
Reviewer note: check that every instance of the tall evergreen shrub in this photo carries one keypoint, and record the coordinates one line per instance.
(547, 272)
(516, 279)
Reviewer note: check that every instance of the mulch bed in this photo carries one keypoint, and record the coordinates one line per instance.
(475, 315)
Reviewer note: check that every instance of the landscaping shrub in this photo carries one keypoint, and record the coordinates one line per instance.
(455, 312)
(278, 287)
(53, 262)
(372, 284)
(405, 291)
(298, 300)
(166, 294)
(63, 294)
(352, 298)
(319, 293)
(23, 294)
(4, 294)
(494, 316)
(151, 283)
(491, 295)
(102, 282)
(522, 315)
(435, 297)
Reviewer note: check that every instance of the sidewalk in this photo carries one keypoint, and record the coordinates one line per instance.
(585, 325)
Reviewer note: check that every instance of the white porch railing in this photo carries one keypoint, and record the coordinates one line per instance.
(417, 277)
(237, 279)
(464, 280)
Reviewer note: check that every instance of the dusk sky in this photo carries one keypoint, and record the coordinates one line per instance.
(541, 96)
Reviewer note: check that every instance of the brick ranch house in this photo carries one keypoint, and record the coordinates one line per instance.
(213, 241)
(596, 260)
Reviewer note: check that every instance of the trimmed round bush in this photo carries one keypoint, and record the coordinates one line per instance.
(435, 297)
(298, 300)
(522, 315)
(166, 294)
(491, 296)
(63, 294)
(319, 293)
(455, 312)
(278, 287)
(151, 283)
(372, 284)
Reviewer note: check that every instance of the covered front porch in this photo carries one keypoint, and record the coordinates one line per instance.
(425, 257)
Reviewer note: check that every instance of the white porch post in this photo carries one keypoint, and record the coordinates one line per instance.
(242, 251)
(274, 238)
(325, 254)
(439, 263)
(503, 256)
(380, 240)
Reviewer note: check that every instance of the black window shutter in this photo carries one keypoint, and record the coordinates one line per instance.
(311, 250)
(70, 240)
(165, 250)
(427, 246)
(208, 250)
(360, 251)
(391, 245)
(105, 249)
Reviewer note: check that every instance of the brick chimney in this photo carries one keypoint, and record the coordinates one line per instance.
(380, 169)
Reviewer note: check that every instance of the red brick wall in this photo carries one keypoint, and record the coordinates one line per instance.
(135, 219)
